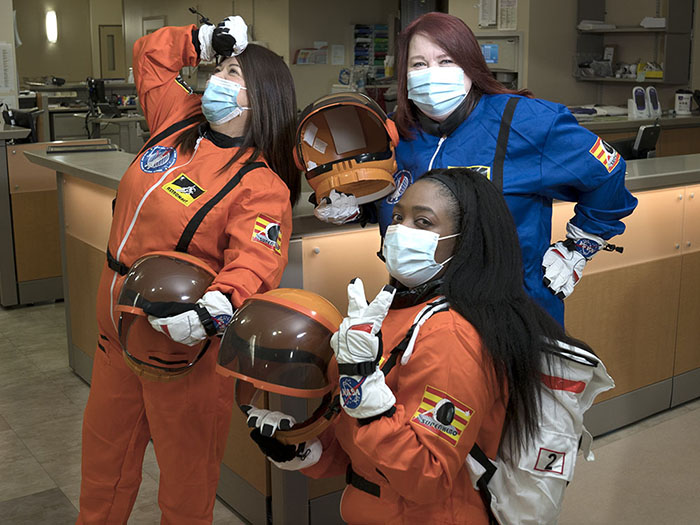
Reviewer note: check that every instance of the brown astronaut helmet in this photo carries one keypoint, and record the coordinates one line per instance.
(279, 342)
(160, 284)
(345, 142)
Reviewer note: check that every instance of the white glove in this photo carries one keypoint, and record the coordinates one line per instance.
(228, 39)
(187, 328)
(337, 208)
(564, 261)
(268, 421)
(285, 457)
(204, 34)
(363, 391)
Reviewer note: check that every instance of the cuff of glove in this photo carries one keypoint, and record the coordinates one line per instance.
(364, 397)
(365, 368)
(306, 457)
(582, 242)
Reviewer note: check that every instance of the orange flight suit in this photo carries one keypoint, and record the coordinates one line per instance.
(417, 461)
(244, 237)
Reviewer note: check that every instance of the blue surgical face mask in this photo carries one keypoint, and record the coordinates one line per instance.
(437, 91)
(409, 254)
(219, 102)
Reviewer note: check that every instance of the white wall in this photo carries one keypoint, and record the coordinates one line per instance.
(102, 13)
(332, 22)
(71, 56)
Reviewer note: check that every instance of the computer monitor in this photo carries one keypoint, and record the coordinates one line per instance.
(96, 90)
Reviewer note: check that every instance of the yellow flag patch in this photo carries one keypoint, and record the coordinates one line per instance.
(268, 231)
(443, 415)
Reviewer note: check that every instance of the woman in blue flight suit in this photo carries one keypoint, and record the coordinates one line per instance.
(453, 113)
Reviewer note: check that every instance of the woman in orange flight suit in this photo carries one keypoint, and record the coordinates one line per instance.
(221, 161)
(462, 345)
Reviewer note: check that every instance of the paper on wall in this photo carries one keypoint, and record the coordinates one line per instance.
(508, 15)
(8, 80)
(487, 13)
(338, 55)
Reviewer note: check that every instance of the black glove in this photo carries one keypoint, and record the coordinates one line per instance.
(276, 450)
(230, 37)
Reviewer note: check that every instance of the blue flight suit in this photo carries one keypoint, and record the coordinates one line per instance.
(549, 156)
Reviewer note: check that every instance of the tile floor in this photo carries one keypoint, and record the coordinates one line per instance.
(647, 473)
(41, 410)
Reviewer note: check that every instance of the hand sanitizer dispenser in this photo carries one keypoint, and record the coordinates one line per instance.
(653, 103)
(637, 106)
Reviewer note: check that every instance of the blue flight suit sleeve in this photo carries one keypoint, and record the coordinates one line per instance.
(578, 166)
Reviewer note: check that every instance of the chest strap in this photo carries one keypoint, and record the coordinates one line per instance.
(167, 132)
(502, 144)
(405, 347)
(189, 231)
(195, 221)
(483, 482)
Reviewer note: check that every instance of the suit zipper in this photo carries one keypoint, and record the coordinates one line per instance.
(442, 139)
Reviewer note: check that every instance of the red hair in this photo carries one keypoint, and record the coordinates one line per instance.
(457, 40)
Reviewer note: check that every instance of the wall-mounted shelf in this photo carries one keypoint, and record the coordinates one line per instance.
(622, 80)
(675, 37)
(626, 29)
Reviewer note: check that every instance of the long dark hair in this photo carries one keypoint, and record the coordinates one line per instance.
(272, 126)
(458, 41)
(484, 284)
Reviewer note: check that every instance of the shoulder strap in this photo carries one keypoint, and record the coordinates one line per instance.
(502, 144)
(406, 345)
(198, 217)
(483, 482)
(167, 132)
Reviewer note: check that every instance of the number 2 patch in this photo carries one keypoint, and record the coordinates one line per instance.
(550, 461)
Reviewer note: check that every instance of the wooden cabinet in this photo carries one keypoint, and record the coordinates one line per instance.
(331, 260)
(640, 310)
(688, 332)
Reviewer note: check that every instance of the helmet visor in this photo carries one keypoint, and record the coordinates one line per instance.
(289, 356)
(162, 285)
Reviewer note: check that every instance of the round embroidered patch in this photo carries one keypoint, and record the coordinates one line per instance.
(587, 247)
(351, 391)
(158, 159)
(403, 180)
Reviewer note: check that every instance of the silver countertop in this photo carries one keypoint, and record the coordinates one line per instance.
(8, 132)
(662, 172)
(622, 123)
(106, 169)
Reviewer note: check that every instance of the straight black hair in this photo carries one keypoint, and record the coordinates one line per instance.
(484, 284)
(272, 126)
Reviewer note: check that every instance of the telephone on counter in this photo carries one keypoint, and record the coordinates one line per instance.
(653, 103)
(637, 107)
